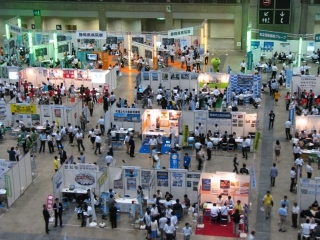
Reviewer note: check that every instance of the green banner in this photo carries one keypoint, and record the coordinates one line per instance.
(317, 37)
(273, 35)
(249, 60)
(103, 178)
(256, 141)
(8, 185)
(185, 135)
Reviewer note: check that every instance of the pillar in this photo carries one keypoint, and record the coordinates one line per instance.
(155, 53)
(102, 20)
(304, 17)
(244, 25)
(168, 21)
(129, 50)
(37, 22)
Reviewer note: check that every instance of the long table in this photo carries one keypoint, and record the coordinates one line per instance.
(213, 139)
(124, 204)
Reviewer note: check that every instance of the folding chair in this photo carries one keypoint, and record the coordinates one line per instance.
(224, 220)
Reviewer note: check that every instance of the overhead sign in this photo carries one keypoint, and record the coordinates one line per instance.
(180, 32)
(36, 13)
(266, 3)
(273, 35)
(15, 29)
(249, 60)
(91, 35)
(282, 17)
(317, 37)
(265, 16)
(23, 108)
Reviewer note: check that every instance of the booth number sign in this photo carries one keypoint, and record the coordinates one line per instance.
(180, 32)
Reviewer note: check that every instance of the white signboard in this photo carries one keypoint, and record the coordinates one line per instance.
(15, 29)
(91, 35)
(180, 32)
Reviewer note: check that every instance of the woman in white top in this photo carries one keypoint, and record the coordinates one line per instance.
(220, 201)
(154, 228)
(169, 213)
(154, 211)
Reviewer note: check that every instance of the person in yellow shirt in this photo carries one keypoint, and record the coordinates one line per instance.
(276, 97)
(55, 164)
(267, 203)
(238, 206)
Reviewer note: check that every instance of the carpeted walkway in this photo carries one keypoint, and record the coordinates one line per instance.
(215, 229)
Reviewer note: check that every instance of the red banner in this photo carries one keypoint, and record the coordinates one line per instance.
(50, 202)
(68, 74)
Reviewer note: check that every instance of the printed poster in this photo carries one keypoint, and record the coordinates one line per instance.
(162, 179)
(118, 184)
(131, 173)
(206, 184)
(85, 179)
(145, 179)
(177, 179)
(131, 183)
(57, 182)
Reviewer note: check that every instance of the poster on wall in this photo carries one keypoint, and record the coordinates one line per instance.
(23, 108)
(162, 179)
(244, 187)
(145, 178)
(206, 184)
(130, 173)
(68, 74)
(131, 183)
(164, 119)
(82, 75)
(177, 179)
(3, 168)
(118, 184)
(146, 76)
(85, 179)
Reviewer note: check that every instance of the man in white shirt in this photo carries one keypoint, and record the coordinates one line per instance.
(196, 133)
(299, 163)
(216, 92)
(197, 146)
(243, 66)
(79, 137)
(101, 124)
(315, 111)
(288, 125)
(296, 151)
(98, 144)
(315, 139)
(152, 144)
(126, 140)
(82, 158)
(209, 149)
(214, 211)
(274, 71)
(162, 222)
(295, 212)
(309, 170)
(306, 228)
(109, 160)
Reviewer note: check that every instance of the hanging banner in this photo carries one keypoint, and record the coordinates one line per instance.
(50, 202)
(103, 178)
(180, 32)
(253, 176)
(174, 160)
(68, 74)
(91, 35)
(289, 74)
(15, 29)
(256, 140)
(8, 185)
(23, 108)
(185, 135)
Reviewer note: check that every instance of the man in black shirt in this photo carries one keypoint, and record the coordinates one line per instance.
(177, 206)
(46, 216)
(271, 119)
(244, 170)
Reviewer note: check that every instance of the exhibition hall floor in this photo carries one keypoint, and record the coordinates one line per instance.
(24, 219)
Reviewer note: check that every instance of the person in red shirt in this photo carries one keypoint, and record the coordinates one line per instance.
(94, 95)
(58, 91)
(51, 93)
(31, 93)
(87, 94)
(25, 86)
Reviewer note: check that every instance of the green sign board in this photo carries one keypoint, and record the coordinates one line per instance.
(36, 13)
(249, 60)
(273, 35)
(317, 37)
(256, 141)
(8, 185)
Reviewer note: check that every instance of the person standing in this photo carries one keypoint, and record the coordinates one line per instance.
(243, 66)
(235, 164)
(113, 215)
(206, 58)
(236, 220)
(46, 216)
(169, 230)
(159, 143)
(309, 170)
(267, 202)
(271, 119)
(50, 143)
(187, 232)
(252, 235)
(277, 149)
(82, 158)
(276, 97)
(295, 212)
(283, 216)
(186, 161)
(274, 71)
(245, 147)
(126, 140)
(209, 149)
(98, 144)
(154, 227)
(296, 152)
(101, 125)
(109, 160)
(140, 197)
(57, 207)
(58, 139)
(132, 146)
(90, 107)
(42, 138)
(273, 174)
(12, 154)
(79, 137)
(152, 144)
(63, 155)
(55, 164)
(288, 125)
(293, 175)
(17, 154)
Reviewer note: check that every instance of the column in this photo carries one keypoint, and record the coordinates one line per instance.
(304, 17)
(102, 20)
(37, 22)
(244, 26)
(155, 53)
(168, 21)
(129, 50)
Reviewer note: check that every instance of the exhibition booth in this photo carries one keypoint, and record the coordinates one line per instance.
(308, 191)
(307, 83)
(88, 78)
(15, 178)
(220, 80)
(34, 115)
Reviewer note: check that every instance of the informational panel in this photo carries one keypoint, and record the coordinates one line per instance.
(178, 182)
(238, 120)
(192, 181)
(309, 192)
(222, 119)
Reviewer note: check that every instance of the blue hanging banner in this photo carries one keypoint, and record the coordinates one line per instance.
(289, 74)
(291, 113)
(174, 161)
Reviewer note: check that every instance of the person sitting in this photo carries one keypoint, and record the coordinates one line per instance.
(232, 141)
(177, 206)
(229, 202)
(214, 211)
(316, 231)
(317, 214)
(244, 170)
(315, 204)
(168, 195)
(306, 228)
(186, 200)
(167, 203)
(159, 193)
(224, 210)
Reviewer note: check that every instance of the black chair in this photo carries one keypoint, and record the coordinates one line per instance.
(224, 146)
(224, 220)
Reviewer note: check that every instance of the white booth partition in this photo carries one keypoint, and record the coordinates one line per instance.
(306, 82)
(309, 190)
(178, 182)
(307, 123)
(18, 178)
(226, 184)
(192, 183)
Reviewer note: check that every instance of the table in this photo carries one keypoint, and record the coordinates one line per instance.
(75, 191)
(154, 133)
(172, 202)
(124, 204)
(210, 205)
(213, 139)
(113, 132)
(40, 128)
(306, 153)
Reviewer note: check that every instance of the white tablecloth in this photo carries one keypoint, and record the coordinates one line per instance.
(124, 204)
(76, 190)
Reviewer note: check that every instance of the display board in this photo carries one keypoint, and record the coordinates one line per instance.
(309, 192)
(306, 82)
(307, 123)
(220, 80)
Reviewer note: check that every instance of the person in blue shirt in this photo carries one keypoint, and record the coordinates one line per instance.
(285, 201)
(12, 154)
(283, 216)
(170, 106)
(186, 161)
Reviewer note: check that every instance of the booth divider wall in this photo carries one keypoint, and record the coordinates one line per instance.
(306, 82)
(309, 190)
(18, 179)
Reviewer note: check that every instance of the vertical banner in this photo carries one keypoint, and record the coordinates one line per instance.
(256, 141)
(57, 180)
(185, 135)
(8, 185)
(50, 202)
(253, 176)
(174, 161)
(289, 74)
(249, 60)
(291, 114)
